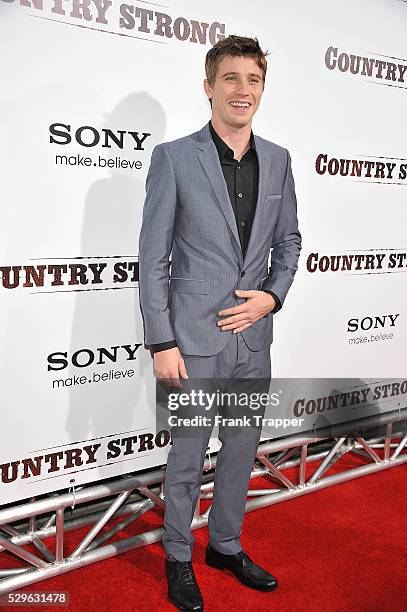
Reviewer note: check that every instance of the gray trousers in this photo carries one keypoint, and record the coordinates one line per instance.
(234, 461)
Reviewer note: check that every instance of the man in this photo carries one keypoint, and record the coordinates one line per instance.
(217, 200)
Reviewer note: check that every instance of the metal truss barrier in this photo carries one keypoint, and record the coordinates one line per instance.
(132, 495)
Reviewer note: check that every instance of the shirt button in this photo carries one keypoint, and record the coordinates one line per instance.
(238, 167)
(240, 195)
(242, 273)
(242, 223)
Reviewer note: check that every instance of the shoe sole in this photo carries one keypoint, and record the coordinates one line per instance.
(182, 607)
(220, 566)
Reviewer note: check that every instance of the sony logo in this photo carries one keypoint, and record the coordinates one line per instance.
(88, 136)
(372, 322)
(85, 357)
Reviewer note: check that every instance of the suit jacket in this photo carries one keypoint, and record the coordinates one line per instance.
(188, 214)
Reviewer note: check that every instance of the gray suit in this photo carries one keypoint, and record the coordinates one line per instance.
(187, 210)
(188, 214)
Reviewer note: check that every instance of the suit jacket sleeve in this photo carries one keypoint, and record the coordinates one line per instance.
(278, 304)
(286, 242)
(155, 245)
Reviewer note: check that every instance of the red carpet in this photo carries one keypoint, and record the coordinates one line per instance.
(343, 548)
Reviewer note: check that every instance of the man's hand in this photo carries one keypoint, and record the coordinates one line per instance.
(258, 304)
(169, 365)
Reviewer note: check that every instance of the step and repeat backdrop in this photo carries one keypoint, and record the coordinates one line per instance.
(88, 88)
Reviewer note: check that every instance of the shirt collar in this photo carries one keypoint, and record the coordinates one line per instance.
(223, 148)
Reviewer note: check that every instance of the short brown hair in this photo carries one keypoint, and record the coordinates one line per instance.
(234, 45)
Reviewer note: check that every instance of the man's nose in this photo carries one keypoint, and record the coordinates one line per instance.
(242, 87)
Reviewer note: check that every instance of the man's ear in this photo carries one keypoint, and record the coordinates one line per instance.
(207, 88)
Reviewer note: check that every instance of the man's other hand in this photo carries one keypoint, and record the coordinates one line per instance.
(258, 304)
(169, 366)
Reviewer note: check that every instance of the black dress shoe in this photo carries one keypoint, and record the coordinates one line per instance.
(243, 568)
(183, 589)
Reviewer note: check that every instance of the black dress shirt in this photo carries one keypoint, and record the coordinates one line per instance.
(242, 181)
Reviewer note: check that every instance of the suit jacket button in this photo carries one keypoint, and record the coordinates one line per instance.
(242, 273)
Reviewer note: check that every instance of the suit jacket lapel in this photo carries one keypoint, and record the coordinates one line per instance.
(264, 172)
(208, 157)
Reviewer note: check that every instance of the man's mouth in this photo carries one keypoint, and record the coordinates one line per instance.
(239, 105)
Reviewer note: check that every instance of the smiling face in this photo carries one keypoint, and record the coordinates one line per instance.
(236, 91)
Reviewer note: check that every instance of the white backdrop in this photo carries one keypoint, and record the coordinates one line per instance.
(76, 383)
